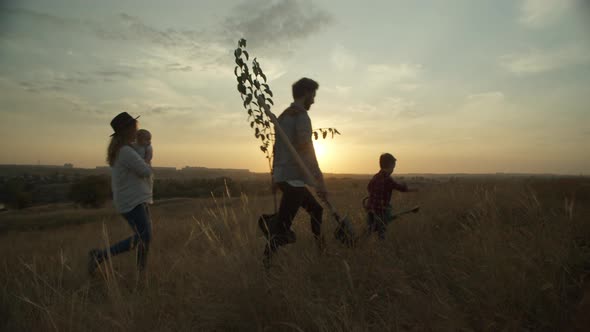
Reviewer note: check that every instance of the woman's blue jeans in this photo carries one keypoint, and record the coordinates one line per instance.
(140, 222)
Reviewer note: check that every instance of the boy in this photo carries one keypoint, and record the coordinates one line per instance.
(143, 145)
(380, 189)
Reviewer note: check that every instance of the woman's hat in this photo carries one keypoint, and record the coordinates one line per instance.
(122, 121)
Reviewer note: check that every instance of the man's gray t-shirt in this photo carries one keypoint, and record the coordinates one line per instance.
(296, 124)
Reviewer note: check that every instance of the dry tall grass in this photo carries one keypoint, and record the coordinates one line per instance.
(480, 256)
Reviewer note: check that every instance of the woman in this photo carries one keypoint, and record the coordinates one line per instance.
(132, 193)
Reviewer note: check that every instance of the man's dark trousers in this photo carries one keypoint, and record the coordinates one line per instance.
(293, 198)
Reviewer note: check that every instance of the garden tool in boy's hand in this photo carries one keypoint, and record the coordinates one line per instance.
(344, 231)
(395, 215)
(411, 210)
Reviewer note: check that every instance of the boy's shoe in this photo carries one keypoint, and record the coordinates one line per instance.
(93, 261)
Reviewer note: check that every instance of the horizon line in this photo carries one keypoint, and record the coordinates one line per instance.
(331, 173)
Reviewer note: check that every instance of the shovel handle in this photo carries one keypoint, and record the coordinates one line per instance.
(311, 179)
(412, 210)
(279, 131)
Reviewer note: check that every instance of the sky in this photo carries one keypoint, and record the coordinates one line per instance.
(456, 86)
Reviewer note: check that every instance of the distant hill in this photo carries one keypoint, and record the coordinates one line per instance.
(192, 172)
(47, 170)
(27, 171)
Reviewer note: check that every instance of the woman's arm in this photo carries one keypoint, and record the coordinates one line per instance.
(130, 159)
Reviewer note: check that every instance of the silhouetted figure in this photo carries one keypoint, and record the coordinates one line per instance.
(130, 181)
(288, 176)
(381, 187)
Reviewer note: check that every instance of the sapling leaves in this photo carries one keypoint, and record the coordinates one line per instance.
(256, 94)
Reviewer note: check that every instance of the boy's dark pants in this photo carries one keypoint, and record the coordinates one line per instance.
(293, 198)
(377, 222)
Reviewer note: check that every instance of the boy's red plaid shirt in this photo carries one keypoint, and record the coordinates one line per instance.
(380, 189)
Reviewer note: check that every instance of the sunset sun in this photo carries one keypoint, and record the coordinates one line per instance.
(322, 152)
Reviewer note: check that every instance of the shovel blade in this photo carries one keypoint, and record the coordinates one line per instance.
(344, 231)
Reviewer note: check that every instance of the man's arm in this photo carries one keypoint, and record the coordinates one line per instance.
(303, 143)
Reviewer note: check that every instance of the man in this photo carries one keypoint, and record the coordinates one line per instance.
(288, 175)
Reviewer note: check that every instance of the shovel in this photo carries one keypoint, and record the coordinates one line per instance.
(344, 231)
(410, 210)
(414, 209)
(394, 216)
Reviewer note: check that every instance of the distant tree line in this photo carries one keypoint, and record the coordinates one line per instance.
(94, 191)
(16, 193)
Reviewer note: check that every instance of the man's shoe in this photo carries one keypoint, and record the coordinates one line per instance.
(268, 224)
(284, 237)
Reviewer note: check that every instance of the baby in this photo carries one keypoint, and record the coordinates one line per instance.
(143, 145)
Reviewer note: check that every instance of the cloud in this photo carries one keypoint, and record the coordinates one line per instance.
(275, 24)
(385, 78)
(168, 109)
(362, 108)
(395, 72)
(10, 13)
(146, 49)
(151, 107)
(36, 87)
(31, 97)
(482, 109)
(483, 103)
(126, 27)
(535, 61)
(273, 68)
(338, 90)
(386, 108)
(112, 74)
(342, 59)
(51, 80)
(173, 50)
(177, 67)
(492, 96)
(400, 106)
(539, 13)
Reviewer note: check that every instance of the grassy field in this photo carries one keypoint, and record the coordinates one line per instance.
(482, 255)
